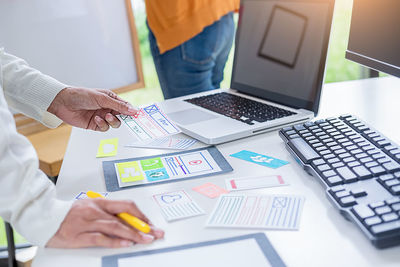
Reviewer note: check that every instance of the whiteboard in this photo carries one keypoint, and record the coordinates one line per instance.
(89, 43)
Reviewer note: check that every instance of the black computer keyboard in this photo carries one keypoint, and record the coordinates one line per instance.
(359, 168)
(239, 108)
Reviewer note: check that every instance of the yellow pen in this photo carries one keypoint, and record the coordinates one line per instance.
(130, 219)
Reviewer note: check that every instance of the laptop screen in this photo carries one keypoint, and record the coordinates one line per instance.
(280, 50)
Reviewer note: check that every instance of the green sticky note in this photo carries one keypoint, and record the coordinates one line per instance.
(129, 171)
(107, 148)
(151, 164)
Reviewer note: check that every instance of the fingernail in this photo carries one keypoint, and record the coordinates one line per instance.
(126, 243)
(158, 233)
(147, 238)
(131, 109)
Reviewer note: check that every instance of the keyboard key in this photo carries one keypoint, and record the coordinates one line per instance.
(318, 162)
(344, 155)
(377, 204)
(372, 221)
(361, 155)
(392, 182)
(349, 159)
(367, 159)
(390, 217)
(303, 150)
(371, 164)
(323, 167)
(337, 188)
(392, 166)
(333, 160)
(347, 201)
(362, 211)
(396, 207)
(362, 172)
(383, 160)
(358, 192)
(337, 164)
(386, 228)
(328, 156)
(377, 170)
(382, 210)
(341, 194)
(334, 180)
(392, 200)
(385, 177)
(395, 190)
(353, 164)
(329, 173)
(347, 174)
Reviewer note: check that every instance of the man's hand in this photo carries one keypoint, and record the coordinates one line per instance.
(93, 223)
(93, 109)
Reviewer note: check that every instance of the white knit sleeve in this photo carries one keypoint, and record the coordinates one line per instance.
(28, 90)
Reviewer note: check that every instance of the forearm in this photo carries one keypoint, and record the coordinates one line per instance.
(27, 197)
(28, 90)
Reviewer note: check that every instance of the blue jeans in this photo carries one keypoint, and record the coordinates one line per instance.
(196, 65)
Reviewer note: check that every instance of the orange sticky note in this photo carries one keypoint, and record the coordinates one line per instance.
(210, 190)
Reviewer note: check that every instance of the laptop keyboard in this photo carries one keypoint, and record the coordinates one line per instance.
(239, 108)
(359, 168)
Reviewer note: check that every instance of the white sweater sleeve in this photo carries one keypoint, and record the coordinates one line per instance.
(28, 90)
(27, 197)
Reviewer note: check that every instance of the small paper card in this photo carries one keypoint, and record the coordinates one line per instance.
(210, 190)
(149, 123)
(259, 211)
(107, 148)
(165, 143)
(82, 195)
(177, 205)
(234, 184)
(259, 159)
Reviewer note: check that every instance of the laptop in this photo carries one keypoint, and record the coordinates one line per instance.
(277, 76)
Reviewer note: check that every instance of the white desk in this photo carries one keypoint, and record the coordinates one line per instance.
(325, 238)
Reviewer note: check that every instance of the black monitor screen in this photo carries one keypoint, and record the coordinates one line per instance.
(375, 35)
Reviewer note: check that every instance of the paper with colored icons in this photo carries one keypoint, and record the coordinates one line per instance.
(281, 212)
(177, 205)
(149, 123)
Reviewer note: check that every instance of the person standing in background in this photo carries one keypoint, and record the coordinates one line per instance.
(190, 42)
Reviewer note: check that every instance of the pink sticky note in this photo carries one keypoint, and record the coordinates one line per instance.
(210, 190)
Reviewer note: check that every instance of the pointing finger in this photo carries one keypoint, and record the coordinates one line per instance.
(116, 104)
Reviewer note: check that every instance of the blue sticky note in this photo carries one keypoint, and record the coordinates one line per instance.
(156, 175)
(259, 159)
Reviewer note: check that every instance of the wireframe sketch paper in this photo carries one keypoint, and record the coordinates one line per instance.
(177, 205)
(210, 190)
(149, 123)
(165, 143)
(260, 211)
(246, 183)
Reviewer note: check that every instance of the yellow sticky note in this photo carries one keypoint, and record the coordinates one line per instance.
(107, 148)
(129, 171)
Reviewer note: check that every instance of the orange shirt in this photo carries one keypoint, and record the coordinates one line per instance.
(173, 22)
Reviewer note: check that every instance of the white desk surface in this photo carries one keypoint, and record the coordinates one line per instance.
(325, 238)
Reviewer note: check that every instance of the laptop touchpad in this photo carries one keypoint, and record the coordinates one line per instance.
(190, 116)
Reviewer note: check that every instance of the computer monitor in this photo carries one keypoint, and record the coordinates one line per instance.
(375, 35)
